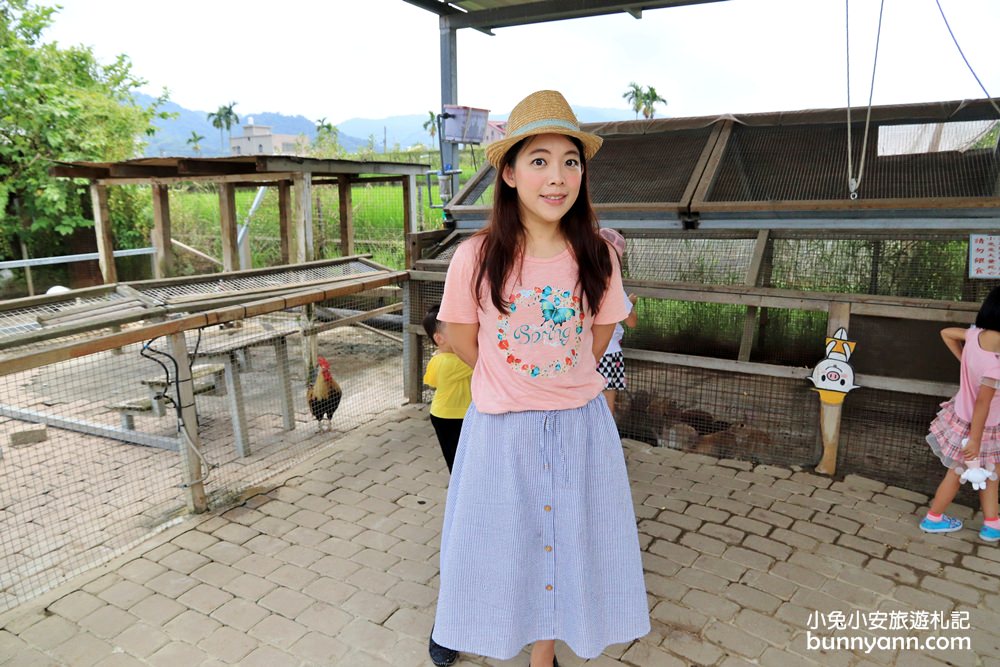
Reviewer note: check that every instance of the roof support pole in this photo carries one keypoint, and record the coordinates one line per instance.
(449, 91)
(163, 260)
(303, 217)
(227, 220)
(346, 215)
(284, 218)
(102, 228)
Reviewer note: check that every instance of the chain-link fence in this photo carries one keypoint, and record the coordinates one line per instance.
(105, 441)
(730, 324)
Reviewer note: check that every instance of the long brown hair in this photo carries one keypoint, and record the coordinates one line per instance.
(503, 240)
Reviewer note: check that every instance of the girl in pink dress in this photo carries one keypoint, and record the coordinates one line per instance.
(966, 432)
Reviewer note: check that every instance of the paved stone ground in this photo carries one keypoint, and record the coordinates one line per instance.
(337, 565)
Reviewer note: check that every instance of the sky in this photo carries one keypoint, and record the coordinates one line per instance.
(342, 59)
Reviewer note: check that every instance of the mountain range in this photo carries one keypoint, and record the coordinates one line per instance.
(389, 133)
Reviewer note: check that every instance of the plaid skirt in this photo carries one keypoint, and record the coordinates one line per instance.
(612, 367)
(946, 434)
(539, 539)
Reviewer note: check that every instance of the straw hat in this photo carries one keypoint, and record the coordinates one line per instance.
(542, 112)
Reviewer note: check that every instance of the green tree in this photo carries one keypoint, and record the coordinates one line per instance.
(650, 98)
(327, 141)
(430, 126)
(58, 104)
(195, 142)
(635, 96)
(223, 118)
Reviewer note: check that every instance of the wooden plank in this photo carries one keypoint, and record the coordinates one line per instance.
(285, 219)
(140, 171)
(195, 252)
(244, 180)
(346, 216)
(303, 218)
(359, 180)
(246, 273)
(249, 294)
(195, 167)
(711, 168)
(234, 391)
(89, 311)
(699, 168)
(812, 205)
(227, 224)
(470, 185)
(354, 319)
(413, 386)
(427, 276)
(280, 345)
(49, 299)
(130, 293)
(411, 221)
(752, 278)
(90, 428)
(160, 235)
(70, 171)
(351, 167)
(102, 229)
(189, 441)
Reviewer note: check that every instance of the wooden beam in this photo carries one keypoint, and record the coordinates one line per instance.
(411, 223)
(69, 171)
(189, 442)
(707, 177)
(220, 167)
(247, 180)
(284, 219)
(553, 10)
(752, 278)
(303, 218)
(227, 223)
(267, 163)
(346, 217)
(102, 229)
(140, 171)
(160, 236)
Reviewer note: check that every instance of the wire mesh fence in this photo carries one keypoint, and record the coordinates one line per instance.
(730, 325)
(92, 446)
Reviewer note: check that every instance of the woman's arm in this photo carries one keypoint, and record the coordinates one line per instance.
(464, 339)
(980, 412)
(602, 336)
(954, 338)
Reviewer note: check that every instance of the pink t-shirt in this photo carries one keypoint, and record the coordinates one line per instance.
(977, 364)
(539, 356)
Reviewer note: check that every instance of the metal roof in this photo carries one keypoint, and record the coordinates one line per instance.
(485, 15)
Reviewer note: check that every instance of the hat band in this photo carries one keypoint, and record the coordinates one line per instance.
(545, 122)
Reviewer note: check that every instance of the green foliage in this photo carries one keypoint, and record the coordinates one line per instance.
(57, 104)
(223, 119)
(642, 99)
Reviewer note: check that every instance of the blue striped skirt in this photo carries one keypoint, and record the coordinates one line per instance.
(539, 539)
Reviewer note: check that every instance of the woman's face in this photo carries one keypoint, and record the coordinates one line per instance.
(547, 174)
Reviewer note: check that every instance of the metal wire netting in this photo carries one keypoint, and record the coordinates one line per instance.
(808, 162)
(716, 261)
(90, 449)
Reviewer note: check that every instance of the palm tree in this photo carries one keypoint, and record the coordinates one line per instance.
(224, 118)
(430, 126)
(216, 118)
(635, 96)
(195, 141)
(649, 101)
(323, 126)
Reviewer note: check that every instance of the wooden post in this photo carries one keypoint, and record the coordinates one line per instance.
(102, 228)
(163, 260)
(829, 415)
(412, 350)
(303, 217)
(346, 215)
(285, 219)
(227, 221)
(191, 468)
(411, 224)
(752, 278)
(27, 269)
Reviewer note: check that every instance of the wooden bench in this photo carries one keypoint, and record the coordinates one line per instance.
(158, 385)
(207, 379)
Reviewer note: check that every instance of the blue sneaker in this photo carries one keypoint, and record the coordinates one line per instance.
(987, 534)
(947, 524)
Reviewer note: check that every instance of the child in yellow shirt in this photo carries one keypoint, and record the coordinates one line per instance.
(451, 377)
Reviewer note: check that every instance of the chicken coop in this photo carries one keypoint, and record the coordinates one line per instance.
(125, 406)
(747, 249)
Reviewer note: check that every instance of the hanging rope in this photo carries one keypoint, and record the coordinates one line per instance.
(962, 53)
(852, 182)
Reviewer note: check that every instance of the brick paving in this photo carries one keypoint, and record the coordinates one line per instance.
(336, 564)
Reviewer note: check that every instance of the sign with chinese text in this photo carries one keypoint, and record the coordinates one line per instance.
(984, 256)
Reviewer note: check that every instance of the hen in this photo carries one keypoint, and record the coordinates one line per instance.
(323, 393)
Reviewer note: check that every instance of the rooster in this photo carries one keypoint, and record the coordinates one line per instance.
(323, 393)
